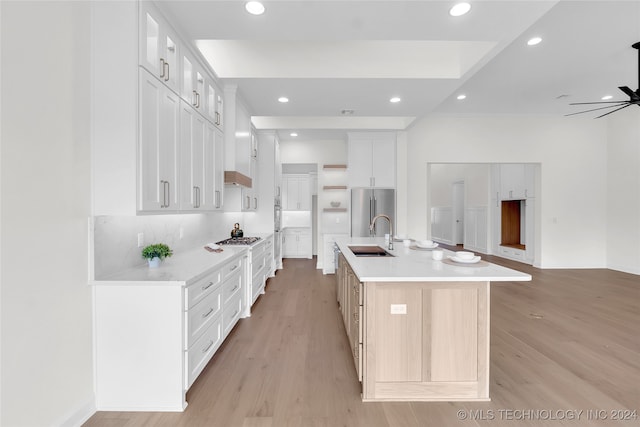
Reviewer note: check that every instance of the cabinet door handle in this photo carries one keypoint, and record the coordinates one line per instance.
(162, 65)
(233, 268)
(166, 194)
(234, 288)
(526, 193)
(217, 118)
(255, 203)
(166, 75)
(511, 194)
(204, 350)
(208, 313)
(217, 198)
(193, 100)
(195, 197)
(207, 286)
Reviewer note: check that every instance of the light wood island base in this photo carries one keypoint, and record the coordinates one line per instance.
(417, 341)
(437, 351)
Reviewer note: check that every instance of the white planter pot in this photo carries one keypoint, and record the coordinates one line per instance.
(154, 262)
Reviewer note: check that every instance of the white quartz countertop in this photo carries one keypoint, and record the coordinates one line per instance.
(409, 265)
(183, 268)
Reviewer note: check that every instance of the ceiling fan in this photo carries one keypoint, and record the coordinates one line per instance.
(634, 97)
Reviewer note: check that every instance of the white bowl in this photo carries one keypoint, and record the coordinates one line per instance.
(465, 255)
(424, 243)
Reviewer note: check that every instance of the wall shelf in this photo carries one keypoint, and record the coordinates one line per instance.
(334, 187)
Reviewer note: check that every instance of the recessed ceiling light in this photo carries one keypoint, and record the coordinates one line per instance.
(461, 96)
(293, 134)
(394, 100)
(607, 97)
(283, 99)
(254, 7)
(460, 9)
(534, 41)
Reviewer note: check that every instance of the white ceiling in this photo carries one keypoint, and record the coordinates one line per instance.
(327, 56)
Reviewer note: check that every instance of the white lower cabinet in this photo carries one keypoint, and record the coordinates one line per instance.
(512, 253)
(153, 338)
(262, 267)
(203, 350)
(297, 243)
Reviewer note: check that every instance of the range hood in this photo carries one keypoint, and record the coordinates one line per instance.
(237, 178)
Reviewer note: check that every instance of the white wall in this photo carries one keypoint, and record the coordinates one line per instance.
(47, 372)
(623, 191)
(573, 190)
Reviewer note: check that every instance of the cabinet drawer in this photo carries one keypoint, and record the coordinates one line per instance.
(202, 315)
(200, 353)
(231, 287)
(258, 264)
(231, 268)
(231, 313)
(201, 288)
(516, 254)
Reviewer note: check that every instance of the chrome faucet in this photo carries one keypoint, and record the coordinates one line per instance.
(373, 223)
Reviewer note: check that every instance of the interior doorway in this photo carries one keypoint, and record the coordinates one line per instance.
(458, 212)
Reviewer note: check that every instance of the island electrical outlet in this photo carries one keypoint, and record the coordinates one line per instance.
(398, 308)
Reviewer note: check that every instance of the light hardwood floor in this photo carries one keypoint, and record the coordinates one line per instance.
(568, 341)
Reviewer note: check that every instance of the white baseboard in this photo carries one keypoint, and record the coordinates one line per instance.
(624, 269)
(79, 416)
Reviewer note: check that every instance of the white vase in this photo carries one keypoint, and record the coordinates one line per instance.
(154, 262)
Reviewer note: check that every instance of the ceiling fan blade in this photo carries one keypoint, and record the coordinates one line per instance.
(634, 96)
(598, 102)
(613, 111)
(601, 108)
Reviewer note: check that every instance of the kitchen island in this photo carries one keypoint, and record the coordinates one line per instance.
(418, 328)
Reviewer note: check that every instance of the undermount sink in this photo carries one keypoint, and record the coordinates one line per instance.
(369, 251)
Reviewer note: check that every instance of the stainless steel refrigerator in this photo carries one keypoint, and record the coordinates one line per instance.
(367, 203)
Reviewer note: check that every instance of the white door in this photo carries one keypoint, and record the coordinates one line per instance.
(458, 212)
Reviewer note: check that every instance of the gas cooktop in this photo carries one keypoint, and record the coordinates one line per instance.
(238, 241)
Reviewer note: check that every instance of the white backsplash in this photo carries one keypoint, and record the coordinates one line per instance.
(296, 219)
(115, 238)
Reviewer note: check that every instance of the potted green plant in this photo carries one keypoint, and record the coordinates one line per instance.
(156, 253)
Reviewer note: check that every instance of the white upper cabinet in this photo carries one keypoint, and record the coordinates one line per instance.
(158, 183)
(213, 103)
(159, 50)
(192, 142)
(296, 193)
(372, 159)
(201, 166)
(516, 181)
(215, 134)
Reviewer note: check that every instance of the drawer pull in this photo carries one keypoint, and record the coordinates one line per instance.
(205, 315)
(207, 286)
(234, 314)
(204, 350)
(234, 288)
(234, 267)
